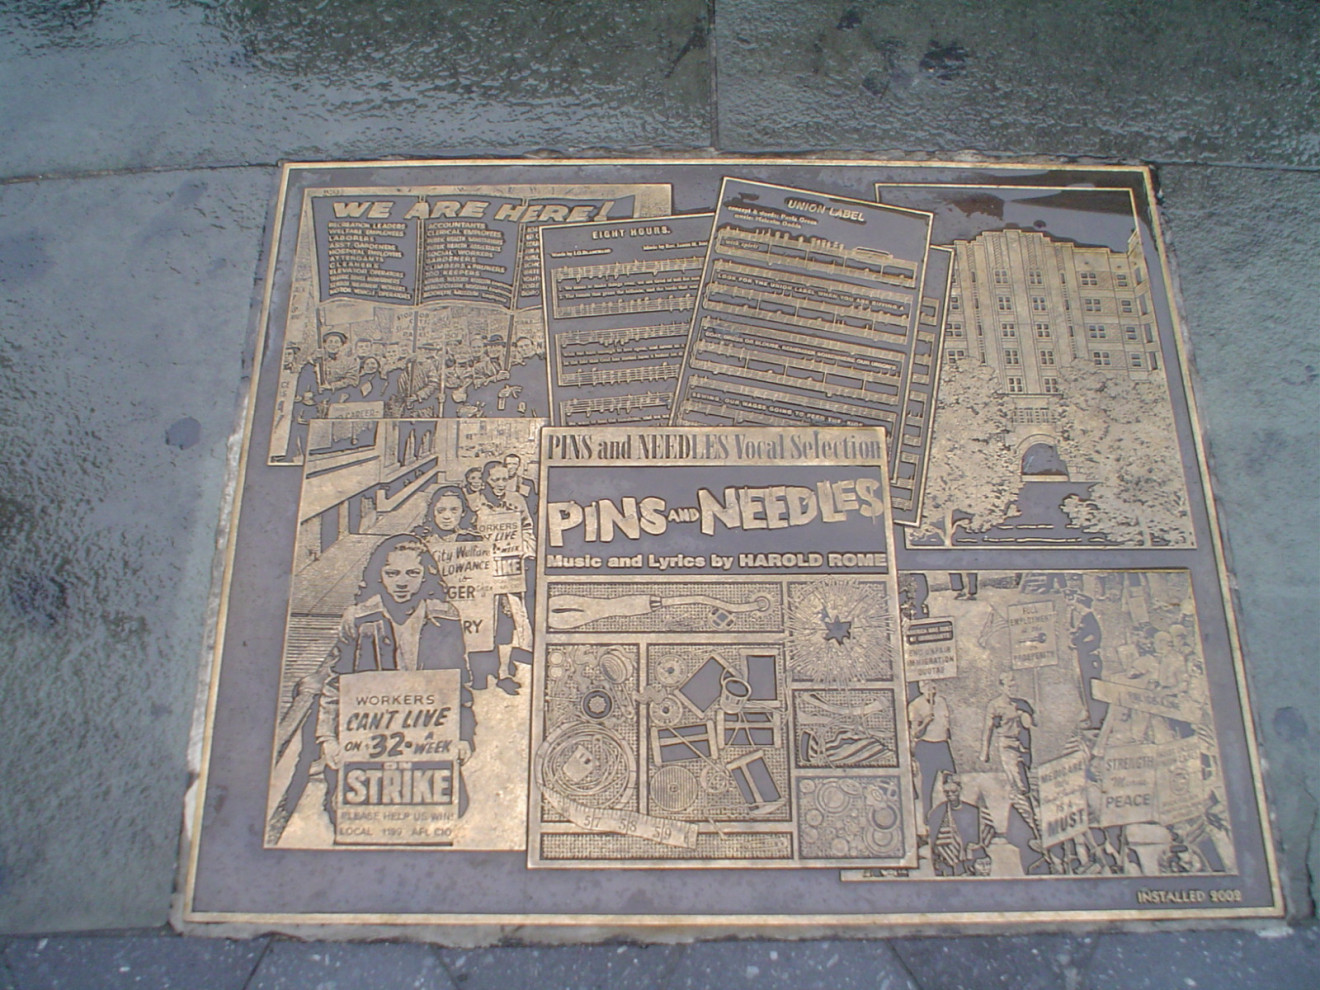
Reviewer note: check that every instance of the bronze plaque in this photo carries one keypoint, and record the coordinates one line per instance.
(734, 546)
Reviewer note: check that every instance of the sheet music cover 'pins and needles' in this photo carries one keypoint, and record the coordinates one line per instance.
(676, 657)
(845, 519)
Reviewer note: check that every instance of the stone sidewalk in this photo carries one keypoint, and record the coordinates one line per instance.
(1204, 961)
(138, 143)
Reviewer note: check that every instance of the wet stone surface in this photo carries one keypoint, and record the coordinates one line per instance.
(293, 965)
(1205, 960)
(126, 311)
(1248, 304)
(616, 967)
(811, 965)
(1197, 960)
(1137, 81)
(154, 960)
(1032, 962)
(110, 85)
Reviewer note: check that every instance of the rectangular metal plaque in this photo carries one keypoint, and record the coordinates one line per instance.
(829, 540)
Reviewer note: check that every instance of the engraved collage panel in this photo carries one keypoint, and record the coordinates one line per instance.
(1054, 425)
(822, 620)
(759, 694)
(1061, 726)
(425, 301)
(618, 302)
(718, 741)
(674, 746)
(590, 762)
(808, 313)
(841, 630)
(401, 720)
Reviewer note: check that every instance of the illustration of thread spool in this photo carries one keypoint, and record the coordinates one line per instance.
(715, 779)
(734, 692)
(614, 667)
(670, 671)
(674, 790)
(667, 711)
(597, 704)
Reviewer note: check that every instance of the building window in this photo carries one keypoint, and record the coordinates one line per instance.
(1096, 331)
(955, 303)
(1039, 304)
(1043, 331)
(1032, 416)
(1036, 278)
(1135, 361)
(955, 329)
(958, 353)
(1001, 277)
(1130, 333)
(1047, 357)
(1088, 278)
(1015, 385)
(1121, 279)
(1126, 304)
(1050, 385)
(1137, 273)
(1150, 338)
(1145, 308)
(1011, 356)
(1154, 361)
(1008, 329)
(1091, 305)
(1006, 303)
(1101, 359)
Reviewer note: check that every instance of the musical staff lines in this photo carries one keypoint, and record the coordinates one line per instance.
(716, 402)
(649, 286)
(827, 307)
(617, 376)
(619, 327)
(829, 258)
(645, 407)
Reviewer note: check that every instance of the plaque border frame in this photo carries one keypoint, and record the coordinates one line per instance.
(185, 916)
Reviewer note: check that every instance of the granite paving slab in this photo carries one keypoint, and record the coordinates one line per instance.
(1195, 80)
(110, 962)
(1206, 961)
(1239, 237)
(1023, 962)
(586, 967)
(823, 965)
(125, 316)
(338, 966)
(111, 85)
